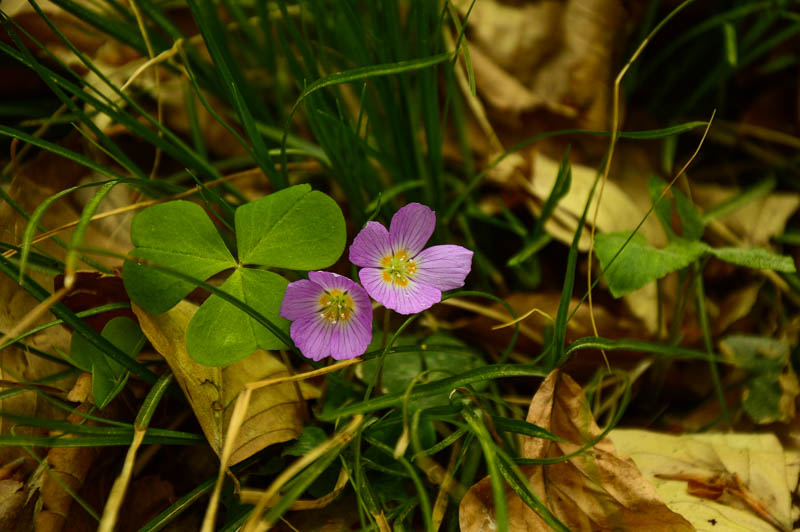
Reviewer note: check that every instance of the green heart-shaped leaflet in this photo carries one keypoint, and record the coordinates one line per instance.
(219, 334)
(296, 228)
(108, 377)
(178, 235)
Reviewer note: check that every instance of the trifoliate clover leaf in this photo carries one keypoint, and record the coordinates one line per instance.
(295, 228)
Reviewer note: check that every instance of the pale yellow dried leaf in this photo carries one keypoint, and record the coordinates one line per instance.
(756, 222)
(758, 459)
(274, 414)
(620, 210)
(736, 305)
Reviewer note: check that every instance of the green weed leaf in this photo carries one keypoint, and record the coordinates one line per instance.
(220, 334)
(296, 228)
(692, 224)
(756, 258)
(108, 376)
(638, 263)
(178, 235)
(770, 393)
(308, 440)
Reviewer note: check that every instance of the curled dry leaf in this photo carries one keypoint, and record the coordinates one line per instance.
(556, 56)
(595, 490)
(731, 482)
(275, 412)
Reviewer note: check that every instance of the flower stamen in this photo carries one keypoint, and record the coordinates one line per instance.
(337, 305)
(398, 268)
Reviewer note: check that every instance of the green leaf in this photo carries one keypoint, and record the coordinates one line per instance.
(661, 207)
(108, 377)
(537, 238)
(762, 397)
(756, 258)
(692, 225)
(178, 235)
(310, 438)
(220, 333)
(638, 263)
(296, 228)
(770, 393)
(755, 352)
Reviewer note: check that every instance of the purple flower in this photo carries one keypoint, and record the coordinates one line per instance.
(331, 315)
(397, 272)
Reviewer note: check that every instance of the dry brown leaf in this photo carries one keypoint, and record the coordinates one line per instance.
(736, 305)
(12, 502)
(70, 465)
(766, 476)
(596, 490)
(44, 176)
(275, 412)
(78, 32)
(147, 497)
(552, 55)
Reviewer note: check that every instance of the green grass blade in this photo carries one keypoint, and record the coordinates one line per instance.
(80, 231)
(536, 237)
(478, 428)
(59, 150)
(702, 314)
(178, 507)
(560, 326)
(236, 86)
(667, 351)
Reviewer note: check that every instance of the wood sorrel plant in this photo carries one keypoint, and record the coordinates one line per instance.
(295, 228)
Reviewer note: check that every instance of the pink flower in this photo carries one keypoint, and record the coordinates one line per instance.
(331, 316)
(397, 272)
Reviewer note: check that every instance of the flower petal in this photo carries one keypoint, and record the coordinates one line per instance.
(443, 267)
(370, 245)
(312, 336)
(410, 299)
(411, 228)
(350, 339)
(301, 299)
(329, 280)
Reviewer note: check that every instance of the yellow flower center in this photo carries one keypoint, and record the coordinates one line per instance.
(337, 305)
(398, 268)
